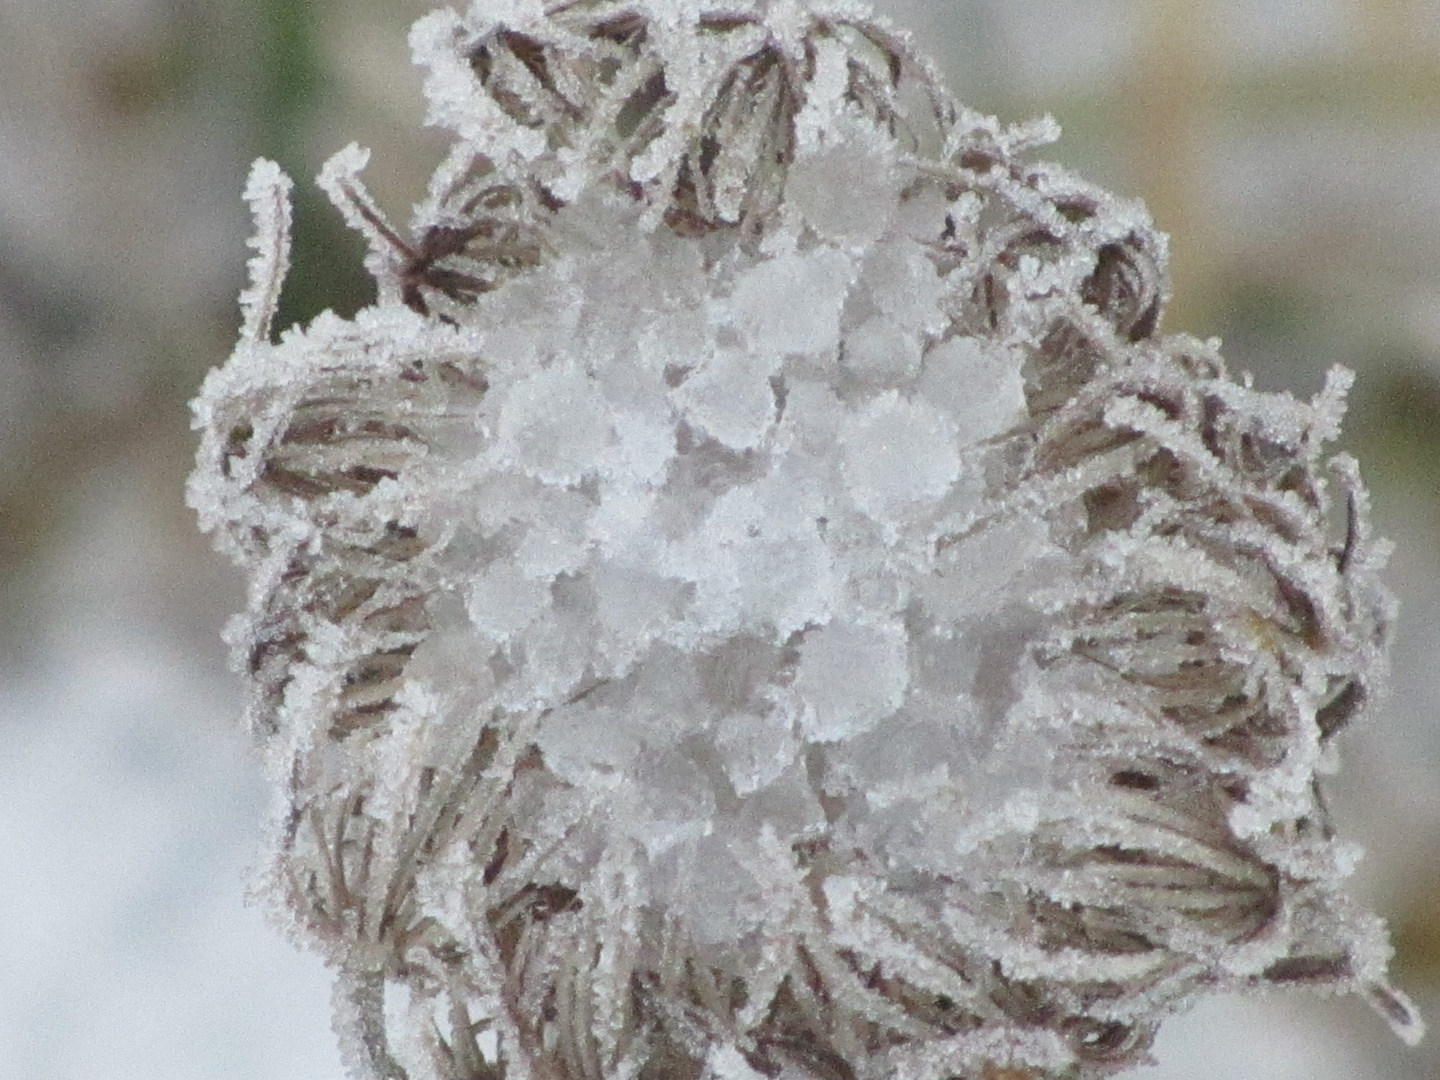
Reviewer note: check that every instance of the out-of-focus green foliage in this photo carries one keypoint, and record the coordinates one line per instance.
(290, 85)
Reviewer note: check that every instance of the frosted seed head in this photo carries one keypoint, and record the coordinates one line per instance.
(759, 595)
(698, 110)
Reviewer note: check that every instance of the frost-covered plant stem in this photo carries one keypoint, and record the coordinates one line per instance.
(758, 595)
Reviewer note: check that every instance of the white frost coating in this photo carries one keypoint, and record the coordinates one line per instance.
(340, 180)
(502, 601)
(754, 750)
(900, 280)
(759, 561)
(971, 578)
(268, 193)
(758, 595)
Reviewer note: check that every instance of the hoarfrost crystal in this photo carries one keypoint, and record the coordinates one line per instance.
(758, 596)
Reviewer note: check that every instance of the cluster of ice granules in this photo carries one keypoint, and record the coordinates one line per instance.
(757, 597)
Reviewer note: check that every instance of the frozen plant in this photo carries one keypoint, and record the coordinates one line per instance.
(758, 596)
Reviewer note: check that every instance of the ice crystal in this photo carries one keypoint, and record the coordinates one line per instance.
(758, 596)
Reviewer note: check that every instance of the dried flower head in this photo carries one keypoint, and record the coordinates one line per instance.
(758, 595)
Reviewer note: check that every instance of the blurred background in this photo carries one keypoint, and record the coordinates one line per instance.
(1290, 147)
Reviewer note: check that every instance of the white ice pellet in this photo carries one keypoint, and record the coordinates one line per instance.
(731, 396)
(503, 601)
(791, 304)
(847, 196)
(555, 424)
(882, 351)
(977, 383)
(898, 456)
(851, 676)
